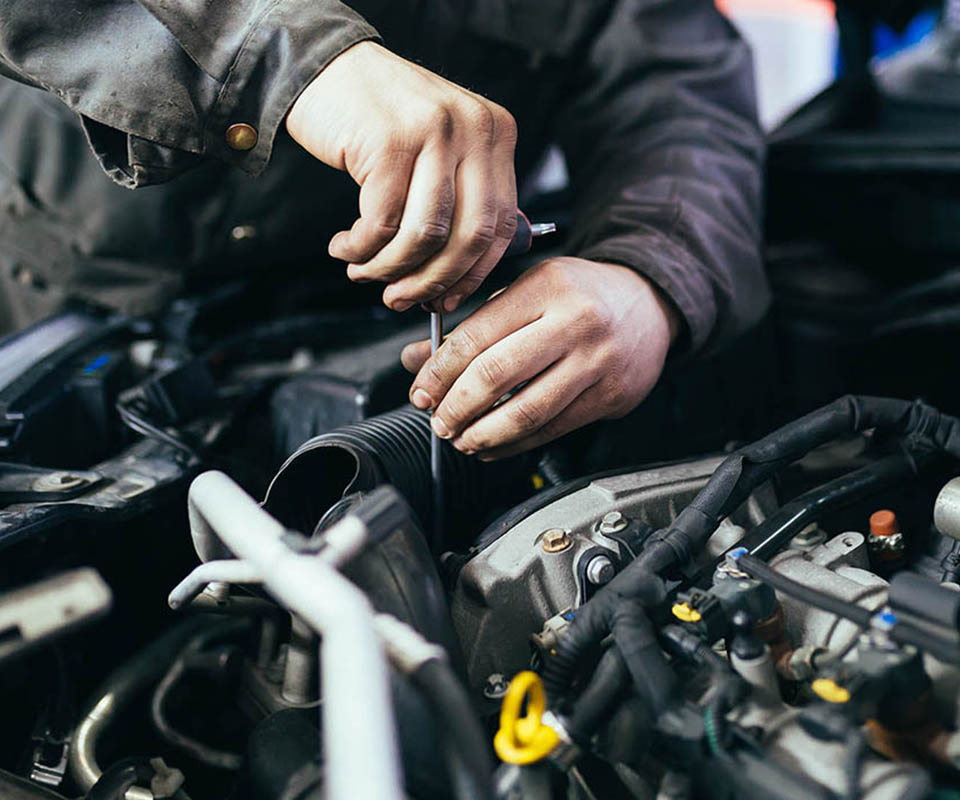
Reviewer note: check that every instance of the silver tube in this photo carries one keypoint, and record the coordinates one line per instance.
(358, 727)
(83, 746)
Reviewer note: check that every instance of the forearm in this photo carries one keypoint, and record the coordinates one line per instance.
(158, 84)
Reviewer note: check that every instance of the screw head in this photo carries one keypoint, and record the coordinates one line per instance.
(613, 522)
(555, 540)
(600, 570)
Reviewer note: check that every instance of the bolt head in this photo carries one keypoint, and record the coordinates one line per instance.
(555, 540)
(600, 570)
(495, 687)
(613, 522)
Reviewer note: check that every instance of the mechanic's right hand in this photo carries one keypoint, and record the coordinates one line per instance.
(438, 196)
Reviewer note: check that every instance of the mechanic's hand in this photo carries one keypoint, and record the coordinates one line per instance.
(438, 196)
(590, 338)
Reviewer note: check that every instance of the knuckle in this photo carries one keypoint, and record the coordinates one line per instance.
(482, 121)
(431, 234)
(481, 235)
(526, 416)
(441, 121)
(427, 291)
(462, 344)
(615, 402)
(506, 124)
(593, 320)
(507, 222)
(491, 369)
(436, 375)
(559, 274)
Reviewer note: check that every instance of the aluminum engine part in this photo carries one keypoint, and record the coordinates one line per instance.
(786, 742)
(946, 509)
(839, 567)
(506, 592)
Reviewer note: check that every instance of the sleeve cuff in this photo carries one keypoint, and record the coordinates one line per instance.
(292, 43)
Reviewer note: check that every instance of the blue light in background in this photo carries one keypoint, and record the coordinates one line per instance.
(96, 364)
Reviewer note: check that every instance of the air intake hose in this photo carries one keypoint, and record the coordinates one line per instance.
(393, 448)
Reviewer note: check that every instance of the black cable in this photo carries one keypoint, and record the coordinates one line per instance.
(756, 568)
(606, 686)
(206, 754)
(139, 425)
(900, 631)
(466, 746)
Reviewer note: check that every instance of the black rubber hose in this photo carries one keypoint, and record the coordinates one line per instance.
(635, 637)
(593, 622)
(605, 688)
(391, 448)
(856, 745)
(465, 746)
(901, 631)
(773, 533)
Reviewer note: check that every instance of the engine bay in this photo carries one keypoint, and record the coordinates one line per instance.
(778, 620)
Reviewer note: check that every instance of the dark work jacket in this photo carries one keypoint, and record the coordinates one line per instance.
(651, 101)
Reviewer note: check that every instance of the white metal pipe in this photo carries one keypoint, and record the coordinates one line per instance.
(360, 749)
(231, 570)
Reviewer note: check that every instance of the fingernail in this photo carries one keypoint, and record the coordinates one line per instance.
(451, 303)
(401, 305)
(439, 428)
(486, 458)
(422, 400)
(463, 447)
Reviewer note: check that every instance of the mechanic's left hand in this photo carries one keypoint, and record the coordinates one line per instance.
(590, 338)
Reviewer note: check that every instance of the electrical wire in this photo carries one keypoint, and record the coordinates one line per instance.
(212, 756)
(139, 425)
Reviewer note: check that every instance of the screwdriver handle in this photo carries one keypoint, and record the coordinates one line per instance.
(525, 234)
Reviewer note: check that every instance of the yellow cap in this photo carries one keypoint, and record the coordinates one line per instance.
(524, 740)
(685, 613)
(829, 690)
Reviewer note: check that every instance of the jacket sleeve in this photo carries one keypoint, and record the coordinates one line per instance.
(158, 83)
(665, 159)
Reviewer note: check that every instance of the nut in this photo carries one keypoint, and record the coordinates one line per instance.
(555, 540)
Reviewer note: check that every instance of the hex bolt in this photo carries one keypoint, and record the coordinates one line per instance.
(600, 570)
(555, 540)
(613, 522)
(495, 687)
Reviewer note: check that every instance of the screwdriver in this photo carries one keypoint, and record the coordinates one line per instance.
(522, 241)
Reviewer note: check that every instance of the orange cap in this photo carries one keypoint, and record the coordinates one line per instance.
(883, 523)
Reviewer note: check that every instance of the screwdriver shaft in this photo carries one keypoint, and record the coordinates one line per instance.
(526, 233)
(436, 462)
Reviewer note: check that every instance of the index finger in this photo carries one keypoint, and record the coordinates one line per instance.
(383, 196)
(496, 319)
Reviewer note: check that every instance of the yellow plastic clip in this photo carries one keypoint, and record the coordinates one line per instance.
(831, 691)
(524, 740)
(685, 612)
